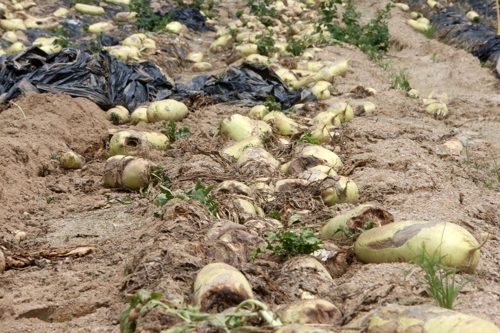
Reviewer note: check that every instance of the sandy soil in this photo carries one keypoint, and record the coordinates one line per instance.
(408, 171)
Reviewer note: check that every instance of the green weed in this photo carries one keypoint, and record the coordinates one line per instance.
(271, 104)
(372, 38)
(146, 17)
(436, 58)
(487, 64)
(189, 318)
(353, 234)
(265, 43)
(288, 243)
(262, 8)
(173, 134)
(296, 47)
(123, 201)
(307, 137)
(95, 44)
(400, 80)
(220, 76)
(275, 214)
(439, 280)
(114, 118)
(199, 192)
(55, 156)
(430, 33)
(62, 38)
(72, 3)
(159, 175)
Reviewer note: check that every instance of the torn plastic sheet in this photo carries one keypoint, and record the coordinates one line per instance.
(109, 82)
(249, 83)
(190, 17)
(97, 76)
(452, 25)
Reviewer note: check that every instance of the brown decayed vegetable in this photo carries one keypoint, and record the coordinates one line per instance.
(127, 172)
(129, 143)
(219, 286)
(314, 311)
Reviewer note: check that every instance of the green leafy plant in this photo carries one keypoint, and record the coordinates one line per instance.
(400, 80)
(200, 5)
(243, 318)
(271, 104)
(159, 175)
(265, 43)
(49, 200)
(72, 3)
(436, 58)
(307, 137)
(123, 201)
(372, 38)
(288, 243)
(146, 17)
(95, 44)
(239, 12)
(85, 27)
(439, 280)
(199, 192)
(172, 132)
(55, 156)
(353, 234)
(62, 37)
(296, 47)
(262, 8)
(430, 33)
(114, 118)
(275, 214)
(220, 76)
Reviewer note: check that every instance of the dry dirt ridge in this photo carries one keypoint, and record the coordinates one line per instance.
(408, 171)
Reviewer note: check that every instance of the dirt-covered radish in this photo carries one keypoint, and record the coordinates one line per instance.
(343, 190)
(129, 143)
(314, 311)
(330, 158)
(220, 286)
(127, 172)
(71, 160)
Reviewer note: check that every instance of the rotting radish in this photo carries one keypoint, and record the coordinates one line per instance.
(219, 286)
(314, 311)
(127, 172)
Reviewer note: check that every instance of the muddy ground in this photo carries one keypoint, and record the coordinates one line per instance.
(407, 171)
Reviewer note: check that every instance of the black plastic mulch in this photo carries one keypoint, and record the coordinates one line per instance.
(110, 82)
(97, 76)
(248, 82)
(453, 27)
